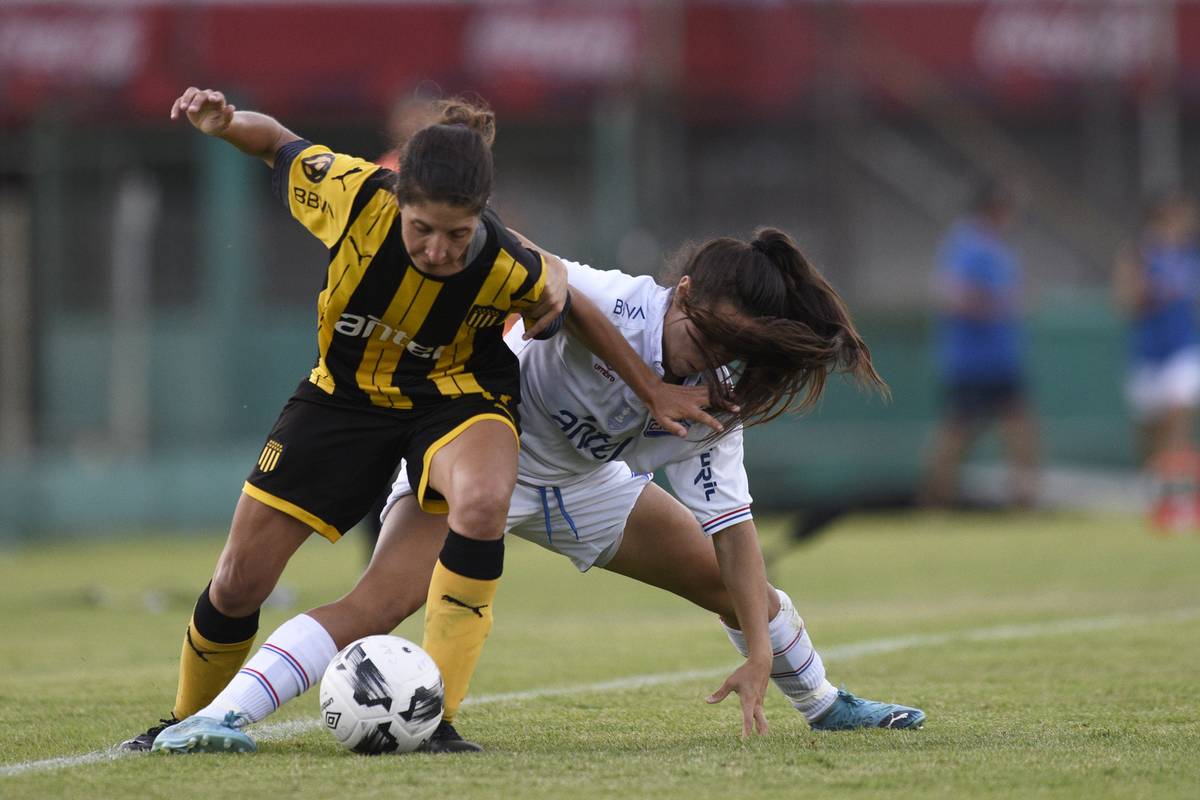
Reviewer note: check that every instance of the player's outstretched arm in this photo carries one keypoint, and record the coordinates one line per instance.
(254, 134)
(745, 576)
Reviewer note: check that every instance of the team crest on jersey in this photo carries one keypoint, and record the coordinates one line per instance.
(484, 317)
(270, 456)
(317, 167)
(621, 416)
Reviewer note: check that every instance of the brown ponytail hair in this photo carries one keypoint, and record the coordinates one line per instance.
(450, 161)
(793, 328)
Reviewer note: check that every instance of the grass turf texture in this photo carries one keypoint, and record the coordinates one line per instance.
(1106, 708)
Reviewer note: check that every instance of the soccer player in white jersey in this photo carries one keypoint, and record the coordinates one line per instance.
(757, 323)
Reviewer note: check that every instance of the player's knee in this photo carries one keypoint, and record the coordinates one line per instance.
(481, 513)
(480, 517)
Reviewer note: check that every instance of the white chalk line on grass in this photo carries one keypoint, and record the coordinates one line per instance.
(286, 730)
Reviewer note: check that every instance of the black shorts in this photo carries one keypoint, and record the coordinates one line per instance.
(980, 401)
(326, 463)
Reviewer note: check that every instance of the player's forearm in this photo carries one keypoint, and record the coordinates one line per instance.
(257, 135)
(588, 324)
(745, 576)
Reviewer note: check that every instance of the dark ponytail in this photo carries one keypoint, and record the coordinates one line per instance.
(450, 161)
(792, 331)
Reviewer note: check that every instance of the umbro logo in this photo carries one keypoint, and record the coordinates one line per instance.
(478, 610)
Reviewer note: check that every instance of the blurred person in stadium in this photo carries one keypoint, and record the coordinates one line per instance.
(752, 320)
(981, 349)
(411, 365)
(1156, 284)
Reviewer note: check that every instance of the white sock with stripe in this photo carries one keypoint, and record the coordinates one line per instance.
(293, 658)
(797, 668)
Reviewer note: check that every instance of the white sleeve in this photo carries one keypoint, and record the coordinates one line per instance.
(588, 280)
(619, 296)
(599, 286)
(712, 483)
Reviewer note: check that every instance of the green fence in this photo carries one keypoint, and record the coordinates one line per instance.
(210, 406)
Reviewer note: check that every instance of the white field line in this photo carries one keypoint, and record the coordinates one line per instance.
(287, 730)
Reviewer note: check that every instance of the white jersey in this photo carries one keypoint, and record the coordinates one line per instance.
(577, 415)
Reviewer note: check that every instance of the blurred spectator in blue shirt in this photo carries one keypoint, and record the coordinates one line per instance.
(1156, 281)
(980, 348)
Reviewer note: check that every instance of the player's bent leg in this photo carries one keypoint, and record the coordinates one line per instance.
(224, 622)
(476, 473)
(296, 654)
(663, 546)
(261, 541)
(796, 666)
(395, 583)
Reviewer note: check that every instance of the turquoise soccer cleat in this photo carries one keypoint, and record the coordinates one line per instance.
(849, 712)
(205, 735)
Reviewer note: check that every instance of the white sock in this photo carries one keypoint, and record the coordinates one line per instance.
(293, 658)
(797, 668)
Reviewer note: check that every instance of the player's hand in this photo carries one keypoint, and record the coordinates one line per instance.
(553, 300)
(206, 109)
(672, 403)
(749, 681)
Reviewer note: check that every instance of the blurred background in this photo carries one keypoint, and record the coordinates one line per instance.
(157, 305)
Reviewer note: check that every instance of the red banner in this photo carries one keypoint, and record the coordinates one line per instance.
(129, 60)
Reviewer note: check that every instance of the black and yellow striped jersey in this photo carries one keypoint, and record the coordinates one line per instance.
(387, 333)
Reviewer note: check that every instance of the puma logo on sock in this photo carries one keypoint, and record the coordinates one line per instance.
(458, 602)
(199, 653)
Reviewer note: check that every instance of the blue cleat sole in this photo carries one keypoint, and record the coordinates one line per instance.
(205, 743)
(204, 735)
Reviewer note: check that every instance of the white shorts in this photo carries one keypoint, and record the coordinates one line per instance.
(1153, 388)
(583, 521)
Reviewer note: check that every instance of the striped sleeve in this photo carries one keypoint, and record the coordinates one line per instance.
(320, 187)
(712, 483)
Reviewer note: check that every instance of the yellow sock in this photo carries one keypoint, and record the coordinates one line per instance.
(458, 617)
(204, 669)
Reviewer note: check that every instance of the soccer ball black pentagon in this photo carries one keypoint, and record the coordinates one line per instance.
(382, 694)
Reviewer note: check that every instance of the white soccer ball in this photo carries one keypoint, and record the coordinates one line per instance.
(382, 694)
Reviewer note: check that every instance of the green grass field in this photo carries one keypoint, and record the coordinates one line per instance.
(1056, 656)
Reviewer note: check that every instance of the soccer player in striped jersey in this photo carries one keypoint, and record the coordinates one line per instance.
(411, 364)
(754, 321)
